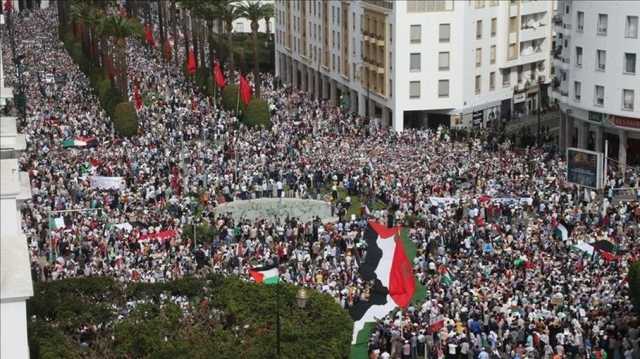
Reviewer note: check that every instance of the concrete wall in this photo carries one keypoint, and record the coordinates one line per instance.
(14, 330)
(305, 210)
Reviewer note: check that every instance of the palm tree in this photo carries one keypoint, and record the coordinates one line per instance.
(255, 11)
(267, 15)
(120, 29)
(229, 13)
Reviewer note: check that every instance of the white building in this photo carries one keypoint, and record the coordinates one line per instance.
(597, 76)
(418, 62)
(15, 271)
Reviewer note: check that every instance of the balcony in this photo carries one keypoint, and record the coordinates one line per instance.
(380, 69)
(557, 19)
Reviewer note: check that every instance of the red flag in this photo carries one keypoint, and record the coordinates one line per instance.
(217, 74)
(191, 62)
(607, 256)
(8, 6)
(245, 90)
(137, 98)
(149, 35)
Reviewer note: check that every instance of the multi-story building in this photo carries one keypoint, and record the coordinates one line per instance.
(415, 63)
(597, 82)
(15, 270)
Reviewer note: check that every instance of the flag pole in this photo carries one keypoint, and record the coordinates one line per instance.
(238, 100)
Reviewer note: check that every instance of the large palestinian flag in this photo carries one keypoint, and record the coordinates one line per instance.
(388, 268)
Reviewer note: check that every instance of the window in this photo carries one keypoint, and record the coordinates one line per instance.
(627, 100)
(599, 96)
(601, 59)
(492, 81)
(479, 29)
(506, 78)
(429, 6)
(494, 26)
(478, 57)
(513, 51)
(414, 89)
(444, 32)
(414, 62)
(513, 24)
(603, 19)
(631, 28)
(578, 56)
(577, 90)
(580, 21)
(479, 4)
(443, 88)
(416, 34)
(478, 79)
(443, 61)
(493, 54)
(629, 63)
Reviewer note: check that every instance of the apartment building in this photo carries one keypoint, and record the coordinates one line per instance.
(597, 80)
(15, 268)
(418, 63)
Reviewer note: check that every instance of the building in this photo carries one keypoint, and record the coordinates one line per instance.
(15, 270)
(415, 63)
(597, 82)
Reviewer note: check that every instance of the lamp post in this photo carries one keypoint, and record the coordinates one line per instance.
(302, 297)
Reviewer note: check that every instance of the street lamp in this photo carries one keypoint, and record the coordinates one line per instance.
(302, 296)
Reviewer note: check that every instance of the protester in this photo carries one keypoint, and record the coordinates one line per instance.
(502, 279)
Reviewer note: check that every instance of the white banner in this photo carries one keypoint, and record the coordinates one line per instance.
(101, 182)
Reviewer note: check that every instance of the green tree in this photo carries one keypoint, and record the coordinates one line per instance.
(229, 13)
(255, 11)
(121, 29)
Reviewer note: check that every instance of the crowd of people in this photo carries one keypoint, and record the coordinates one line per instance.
(500, 281)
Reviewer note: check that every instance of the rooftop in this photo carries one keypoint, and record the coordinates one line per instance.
(9, 178)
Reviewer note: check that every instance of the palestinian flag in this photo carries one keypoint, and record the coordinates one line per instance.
(606, 250)
(447, 278)
(80, 141)
(388, 270)
(561, 232)
(436, 323)
(266, 275)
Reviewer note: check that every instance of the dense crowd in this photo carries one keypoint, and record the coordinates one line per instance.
(482, 214)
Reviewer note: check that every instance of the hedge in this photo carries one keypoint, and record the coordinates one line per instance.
(230, 318)
(125, 120)
(257, 114)
(230, 97)
(108, 95)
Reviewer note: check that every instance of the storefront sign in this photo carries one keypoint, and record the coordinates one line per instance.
(596, 116)
(518, 98)
(625, 121)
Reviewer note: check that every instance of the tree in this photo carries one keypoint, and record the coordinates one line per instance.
(120, 29)
(634, 284)
(268, 14)
(255, 11)
(229, 13)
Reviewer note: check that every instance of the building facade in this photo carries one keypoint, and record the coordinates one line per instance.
(15, 269)
(417, 63)
(597, 83)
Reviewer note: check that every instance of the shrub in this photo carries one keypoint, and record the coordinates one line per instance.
(230, 97)
(257, 114)
(125, 119)
(238, 320)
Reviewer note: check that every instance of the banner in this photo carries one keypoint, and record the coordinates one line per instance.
(584, 167)
(102, 182)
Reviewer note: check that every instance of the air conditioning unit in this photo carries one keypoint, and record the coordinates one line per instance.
(601, 67)
(600, 101)
(580, 27)
(602, 30)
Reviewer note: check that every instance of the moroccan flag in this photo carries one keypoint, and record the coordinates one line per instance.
(191, 62)
(137, 98)
(149, 35)
(217, 74)
(388, 269)
(245, 90)
(266, 275)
